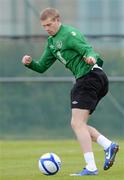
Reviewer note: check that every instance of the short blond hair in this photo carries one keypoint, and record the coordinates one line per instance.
(49, 13)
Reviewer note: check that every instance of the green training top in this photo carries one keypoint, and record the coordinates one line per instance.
(68, 46)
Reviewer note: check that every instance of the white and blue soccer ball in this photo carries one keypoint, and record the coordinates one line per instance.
(49, 163)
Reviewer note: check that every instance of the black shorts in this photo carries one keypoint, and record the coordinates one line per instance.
(89, 89)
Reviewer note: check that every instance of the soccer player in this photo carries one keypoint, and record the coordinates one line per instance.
(67, 45)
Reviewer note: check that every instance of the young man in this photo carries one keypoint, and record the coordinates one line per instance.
(69, 46)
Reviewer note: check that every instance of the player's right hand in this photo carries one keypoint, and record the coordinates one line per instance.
(89, 60)
(26, 59)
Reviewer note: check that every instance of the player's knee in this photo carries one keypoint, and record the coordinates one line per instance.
(79, 118)
(76, 123)
(72, 123)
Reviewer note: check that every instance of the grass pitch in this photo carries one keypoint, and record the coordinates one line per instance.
(19, 160)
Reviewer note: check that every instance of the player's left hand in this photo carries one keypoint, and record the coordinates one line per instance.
(89, 60)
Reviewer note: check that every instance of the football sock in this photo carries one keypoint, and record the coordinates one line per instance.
(103, 141)
(90, 162)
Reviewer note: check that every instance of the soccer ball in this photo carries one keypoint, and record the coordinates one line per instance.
(49, 163)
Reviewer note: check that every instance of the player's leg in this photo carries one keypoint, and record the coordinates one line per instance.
(86, 94)
(79, 125)
(110, 147)
(99, 138)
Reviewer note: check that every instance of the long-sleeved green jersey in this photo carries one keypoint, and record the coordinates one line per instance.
(68, 46)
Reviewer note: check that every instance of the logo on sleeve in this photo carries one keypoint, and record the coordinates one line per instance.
(73, 33)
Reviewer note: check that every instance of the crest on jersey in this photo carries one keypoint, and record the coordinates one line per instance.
(52, 46)
(59, 44)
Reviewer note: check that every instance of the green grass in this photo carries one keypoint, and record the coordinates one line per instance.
(19, 160)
